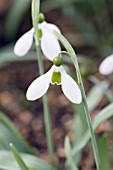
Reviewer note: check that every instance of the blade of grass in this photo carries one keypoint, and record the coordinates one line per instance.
(18, 158)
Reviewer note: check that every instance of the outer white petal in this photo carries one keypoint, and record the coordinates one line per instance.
(50, 46)
(23, 45)
(53, 27)
(106, 67)
(71, 89)
(49, 43)
(39, 86)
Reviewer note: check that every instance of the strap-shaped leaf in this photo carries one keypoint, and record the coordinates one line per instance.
(18, 158)
(71, 162)
(9, 134)
(103, 152)
(105, 114)
(7, 162)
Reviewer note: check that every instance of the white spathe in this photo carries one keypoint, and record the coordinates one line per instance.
(40, 86)
(49, 42)
(106, 67)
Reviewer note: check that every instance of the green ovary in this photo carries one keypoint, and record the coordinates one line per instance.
(56, 77)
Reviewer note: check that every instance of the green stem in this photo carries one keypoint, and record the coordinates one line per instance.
(86, 110)
(46, 110)
(35, 21)
(87, 113)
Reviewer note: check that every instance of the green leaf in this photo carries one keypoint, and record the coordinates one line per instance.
(9, 134)
(80, 21)
(7, 162)
(79, 128)
(94, 92)
(103, 115)
(103, 152)
(7, 55)
(103, 85)
(71, 162)
(18, 158)
(15, 16)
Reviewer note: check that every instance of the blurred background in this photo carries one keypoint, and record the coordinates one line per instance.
(88, 25)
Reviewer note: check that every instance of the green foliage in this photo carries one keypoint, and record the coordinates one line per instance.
(97, 90)
(71, 162)
(9, 134)
(15, 16)
(103, 152)
(103, 115)
(18, 158)
(93, 28)
(7, 162)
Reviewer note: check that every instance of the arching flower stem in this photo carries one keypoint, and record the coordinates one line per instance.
(73, 56)
(47, 120)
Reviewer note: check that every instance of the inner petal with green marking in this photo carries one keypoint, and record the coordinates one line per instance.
(40, 33)
(56, 77)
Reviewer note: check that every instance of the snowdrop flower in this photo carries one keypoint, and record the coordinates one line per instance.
(56, 75)
(106, 67)
(49, 42)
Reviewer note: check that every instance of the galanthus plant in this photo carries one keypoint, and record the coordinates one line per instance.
(48, 41)
(106, 67)
(46, 37)
(56, 75)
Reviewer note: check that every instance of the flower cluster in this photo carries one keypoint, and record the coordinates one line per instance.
(57, 74)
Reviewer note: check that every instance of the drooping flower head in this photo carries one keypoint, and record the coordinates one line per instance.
(106, 67)
(56, 75)
(49, 42)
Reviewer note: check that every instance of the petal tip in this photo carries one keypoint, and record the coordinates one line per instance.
(106, 67)
(77, 99)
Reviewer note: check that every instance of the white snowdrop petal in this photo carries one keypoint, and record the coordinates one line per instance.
(23, 45)
(38, 87)
(71, 89)
(50, 45)
(106, 67)
(53, 27)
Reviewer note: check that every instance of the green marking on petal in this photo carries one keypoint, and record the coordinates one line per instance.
(56, 77)
(40, 33)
